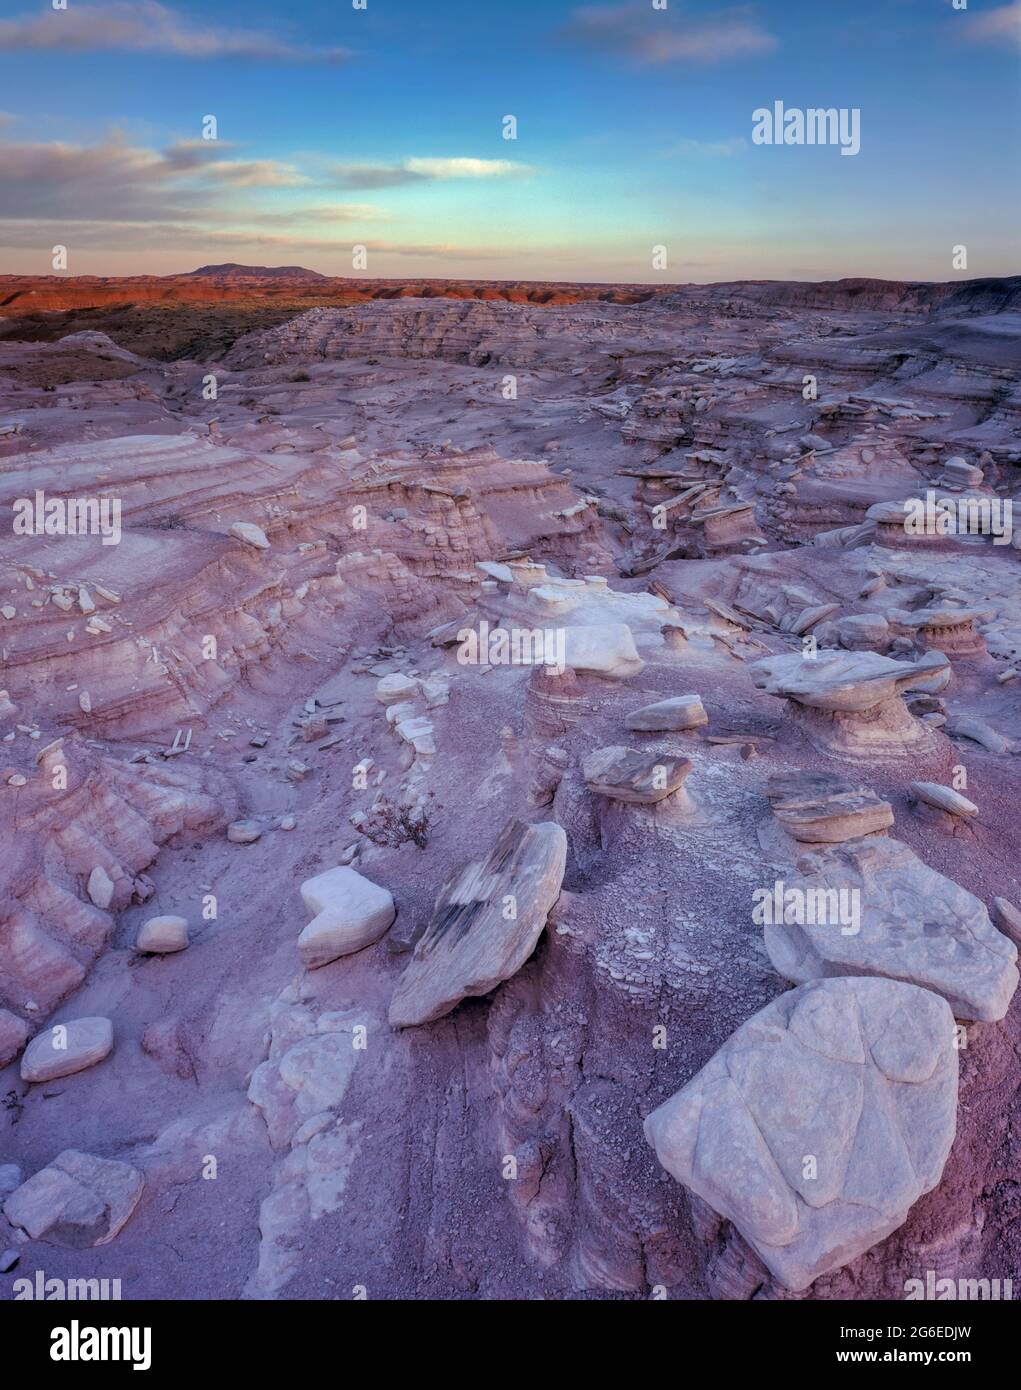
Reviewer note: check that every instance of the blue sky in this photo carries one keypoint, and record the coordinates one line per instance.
(383, 127)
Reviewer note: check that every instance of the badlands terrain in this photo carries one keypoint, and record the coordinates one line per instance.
(405, 776)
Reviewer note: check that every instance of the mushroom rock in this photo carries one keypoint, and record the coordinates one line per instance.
(727, 526)
(524, 574)
(848, 702)
(949, 630)
(472, 942)
(954, 523)
(959, 473)
(820, 808)
(859, 1074)
(872, 907)
(891, 529)
(675, 637)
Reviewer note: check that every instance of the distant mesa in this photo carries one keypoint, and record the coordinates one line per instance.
(231, 270)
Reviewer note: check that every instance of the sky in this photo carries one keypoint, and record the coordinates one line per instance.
(381, 124)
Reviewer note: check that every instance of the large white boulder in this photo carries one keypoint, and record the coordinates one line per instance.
(606, 650)
(820, 1122)
(352, 912)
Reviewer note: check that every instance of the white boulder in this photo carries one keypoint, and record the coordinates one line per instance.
(65, 1048)
(351, 913)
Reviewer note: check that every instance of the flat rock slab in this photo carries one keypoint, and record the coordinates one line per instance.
(859, 1076)
(78, 1201)
(625, 774)
(665, 716)
(819, 808)
(913, 924)
(64, 1048)
(351, 913)
(485, 924)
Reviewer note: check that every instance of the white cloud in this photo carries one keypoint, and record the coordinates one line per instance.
(465, 168)
(425, 170)
(653, 37)
(146, 26)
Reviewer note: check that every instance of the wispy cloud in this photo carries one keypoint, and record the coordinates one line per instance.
(146, 26)
(1002, 25)
(425, 170)
(327, 213)
(711, 149)
(125, 238)
(116, 181)
(198, 180)
(647, 36)
(256, 173)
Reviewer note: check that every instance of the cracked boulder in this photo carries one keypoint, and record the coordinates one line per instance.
(487, 919)
(820, 1122)
(871, 907)
(78, 1201)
